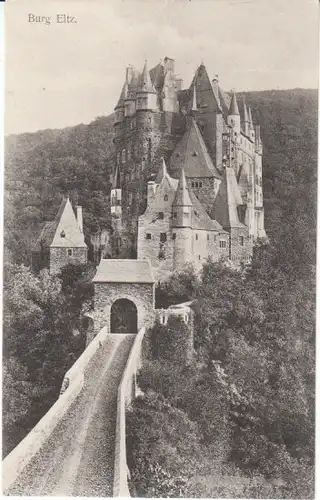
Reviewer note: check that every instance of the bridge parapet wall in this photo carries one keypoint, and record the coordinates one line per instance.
(126, 393)
(72, 384)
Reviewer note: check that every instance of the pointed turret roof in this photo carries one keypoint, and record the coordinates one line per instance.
(192, 155)
(234, 110)
(67, 233)
(245, 112)
(250, 117)
(182, 198)
(123, 95)
(162, 172)
(225, 207)
(116, 183)
(145, 83)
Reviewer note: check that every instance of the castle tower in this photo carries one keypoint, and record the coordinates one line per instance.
(146, 94)
(119, 111)
(234, 115)
(182, 224)
(116, 213)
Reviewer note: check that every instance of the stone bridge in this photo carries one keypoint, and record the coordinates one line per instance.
(78, 448)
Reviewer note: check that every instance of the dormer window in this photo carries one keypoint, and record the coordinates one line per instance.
(63, 234)
(195, 153)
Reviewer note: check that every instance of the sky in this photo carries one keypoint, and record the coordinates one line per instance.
(59, 75)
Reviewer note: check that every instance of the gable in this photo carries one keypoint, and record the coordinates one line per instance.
(67, 233)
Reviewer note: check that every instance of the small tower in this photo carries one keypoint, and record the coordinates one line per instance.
(246, 121)
(116, 194)
(146, 94)
(182, 224)
(119, 109)
(252, 132)
(234, 115)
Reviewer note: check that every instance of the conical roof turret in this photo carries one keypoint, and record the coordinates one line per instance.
(116, 183)
(250, 117)
(162, 172)
(123, 95)
(245, 112)
(234, 110)
(182, 198)
(145, 83)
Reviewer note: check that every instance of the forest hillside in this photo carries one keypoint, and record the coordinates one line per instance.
(273, 320)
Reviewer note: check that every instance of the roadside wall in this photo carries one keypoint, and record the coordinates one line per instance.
(126, 393)
(72, 385)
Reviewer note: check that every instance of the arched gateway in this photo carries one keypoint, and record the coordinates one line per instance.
(124, 296)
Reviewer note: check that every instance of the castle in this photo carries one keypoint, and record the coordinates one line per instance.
(187, 181)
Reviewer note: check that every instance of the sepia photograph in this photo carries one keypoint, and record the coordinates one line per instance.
(159, 255)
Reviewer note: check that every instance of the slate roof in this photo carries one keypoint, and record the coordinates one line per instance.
(123, 271)
(182, 197)
(225, 207)
(123, 95)
(47, 233)
(201, 219)
(192, 155)
(234, 110)
(145, 83)
(67, 225)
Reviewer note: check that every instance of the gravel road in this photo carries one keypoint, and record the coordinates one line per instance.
(78, 458)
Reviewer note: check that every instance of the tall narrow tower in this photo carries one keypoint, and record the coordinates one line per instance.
(182, 224)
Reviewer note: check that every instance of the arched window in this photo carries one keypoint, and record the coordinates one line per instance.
(165, 198)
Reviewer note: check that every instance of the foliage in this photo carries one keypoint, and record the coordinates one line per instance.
(178, 288)
(41, 341)
(170, 341)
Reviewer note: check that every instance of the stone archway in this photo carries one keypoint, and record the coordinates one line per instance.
(123, 279)
(123, 317)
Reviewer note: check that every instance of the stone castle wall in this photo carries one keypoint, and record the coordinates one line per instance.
(105, 294)
(59, 258)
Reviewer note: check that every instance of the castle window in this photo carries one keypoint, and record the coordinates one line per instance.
(199, 257)
(174, 215)
(214, 238)
(196, 237)
(148, 236)
(161, 215)
(222, 244)
(192, 184)
(200, 184)
(174, 236)
(163, 237)
(208, 237)
(196, 184)
(63, 234)
(165, 198)
(241, 241)
(69, 252)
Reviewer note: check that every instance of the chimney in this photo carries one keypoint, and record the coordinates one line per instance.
(79, 218)
(179, 83)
